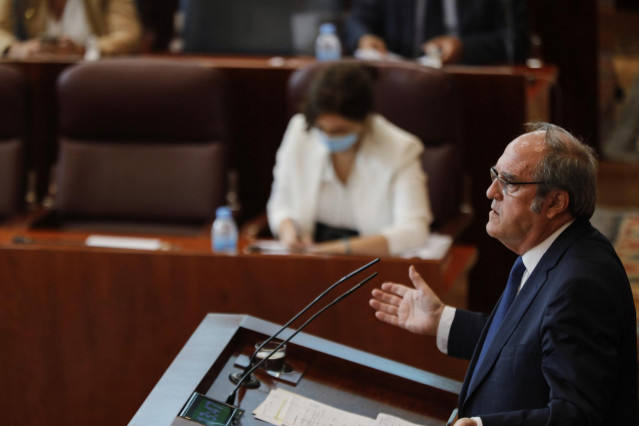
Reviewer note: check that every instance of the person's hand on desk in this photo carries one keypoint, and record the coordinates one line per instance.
(370, 41)
(289, 235)
(417, 309)
(370, 245)
(23, 49)
(329, 247)
(465, 422)
(450, 48)
(65, 46)
(44, 48)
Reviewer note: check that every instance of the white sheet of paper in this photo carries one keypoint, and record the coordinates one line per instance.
(287, 409)
(435, 247)
(274, 407)
(124, 242)
(388, 420)
(269, 247)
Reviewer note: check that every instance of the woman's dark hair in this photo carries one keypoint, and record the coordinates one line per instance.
(344, 89)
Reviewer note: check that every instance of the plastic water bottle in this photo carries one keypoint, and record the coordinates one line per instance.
(224, 231)
(327, 45)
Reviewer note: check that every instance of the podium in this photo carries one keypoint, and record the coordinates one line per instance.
(332, 374)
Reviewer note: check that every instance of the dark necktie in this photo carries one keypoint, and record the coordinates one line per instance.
(507, 298)
(429, 22)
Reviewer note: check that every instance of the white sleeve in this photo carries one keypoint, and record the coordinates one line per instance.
(280, 203)
(411, 206)
(443, 330)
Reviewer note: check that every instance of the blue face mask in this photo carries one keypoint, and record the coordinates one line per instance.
(338, 143)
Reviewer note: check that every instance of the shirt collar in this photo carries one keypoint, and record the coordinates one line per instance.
(532, 257)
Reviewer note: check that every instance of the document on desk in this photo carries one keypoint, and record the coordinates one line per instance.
(435, 247)
(288, 409)
(267, 247)
(109, 241)
(388, 420)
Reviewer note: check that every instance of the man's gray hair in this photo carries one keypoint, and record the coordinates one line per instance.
(569, 165)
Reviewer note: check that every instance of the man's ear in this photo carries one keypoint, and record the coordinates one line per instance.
(558, 202)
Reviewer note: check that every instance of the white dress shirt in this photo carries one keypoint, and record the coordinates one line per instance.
(334, 206)
(73, 23)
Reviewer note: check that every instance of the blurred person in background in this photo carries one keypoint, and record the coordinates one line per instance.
(460, 31)
(346, 180)
(31, 28)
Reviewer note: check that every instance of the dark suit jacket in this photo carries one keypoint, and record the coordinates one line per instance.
(566, 353)
(482, 26)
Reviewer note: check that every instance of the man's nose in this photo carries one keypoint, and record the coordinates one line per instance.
(494, 190)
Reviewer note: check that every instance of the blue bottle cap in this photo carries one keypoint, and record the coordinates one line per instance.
(327, 28)
(223, 212)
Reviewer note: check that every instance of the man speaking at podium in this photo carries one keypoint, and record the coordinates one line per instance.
(560, 346)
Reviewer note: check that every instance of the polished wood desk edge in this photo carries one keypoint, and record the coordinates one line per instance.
(203, 348)
(452, 269)
(546, 72)
(289, 63)
(12, 230)
(448, 275)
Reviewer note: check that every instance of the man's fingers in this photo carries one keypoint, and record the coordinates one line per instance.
(390, 319)
(386, 296)
(397, 289)
(383, 307)
(415, 278)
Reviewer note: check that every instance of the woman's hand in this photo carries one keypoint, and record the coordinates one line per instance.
(289, 235)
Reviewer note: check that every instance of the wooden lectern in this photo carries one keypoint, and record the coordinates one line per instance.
(332, 374)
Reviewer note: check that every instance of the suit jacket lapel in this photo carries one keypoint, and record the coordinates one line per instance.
(522, 302)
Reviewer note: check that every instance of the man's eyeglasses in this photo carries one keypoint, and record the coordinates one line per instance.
(507, 186)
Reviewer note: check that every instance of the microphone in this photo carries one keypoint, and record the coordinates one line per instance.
(253, 383)
(211, 411)
(231, 398)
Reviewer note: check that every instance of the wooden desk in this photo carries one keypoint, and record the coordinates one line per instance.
(339, 376)
(86, 332)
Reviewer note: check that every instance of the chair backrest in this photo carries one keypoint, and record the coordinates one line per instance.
(423, 101)
(141, 140)
(12, 128)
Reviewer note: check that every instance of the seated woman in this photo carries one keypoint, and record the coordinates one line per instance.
(346, 180)
(67, 27)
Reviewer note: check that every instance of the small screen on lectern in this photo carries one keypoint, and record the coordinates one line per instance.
(208, 412)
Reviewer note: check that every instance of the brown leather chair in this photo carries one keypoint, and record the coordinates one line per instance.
(425, 102)
(141, 143)
(12, 127)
